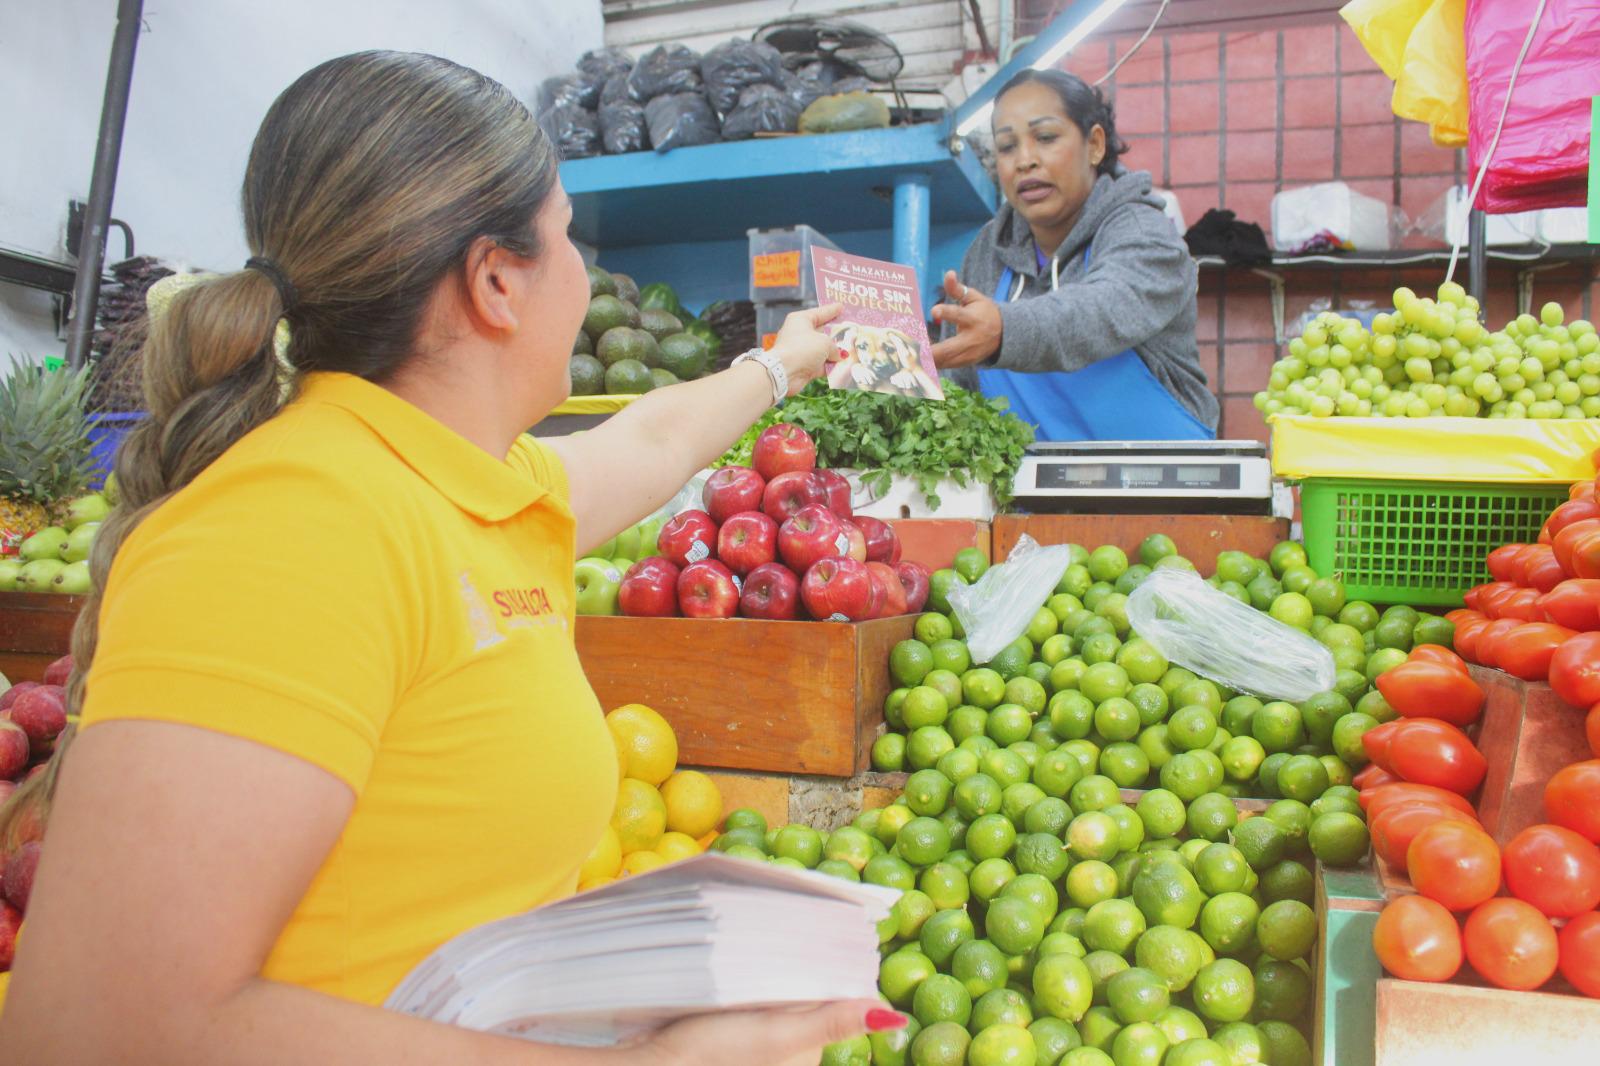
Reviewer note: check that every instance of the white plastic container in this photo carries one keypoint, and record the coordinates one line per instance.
(1300, 214)
(905, 500)
(780, 264)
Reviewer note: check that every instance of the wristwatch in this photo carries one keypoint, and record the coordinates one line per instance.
(774, 368)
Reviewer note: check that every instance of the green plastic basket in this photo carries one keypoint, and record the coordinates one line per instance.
(1416, 542)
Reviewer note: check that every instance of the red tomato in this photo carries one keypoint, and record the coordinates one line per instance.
(1423, 689)
(1572, 799)
(1585, 551)
(1511, 944)
(1522, 605)
(1574, 603)
(1591, 729)
(1542, 572)
(1466, 638)
(1503, 560)
(1418, 940)
(1376, 800)
(1572, 511)
(1437, 653)
(1575, 670)
(1565, 542)
(1429, 752)
(1398, 824)
(1461, 614)
(1526, 651)
(1492, 600)
(1579, 947)
(1455, 863)
(1581, 490)
(1554, 869)
(1375, 742)
(1489, 639)
(1372, 776)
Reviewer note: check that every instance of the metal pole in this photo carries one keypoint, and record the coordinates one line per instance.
(912, 209)
(1477, 258)
(103, 181)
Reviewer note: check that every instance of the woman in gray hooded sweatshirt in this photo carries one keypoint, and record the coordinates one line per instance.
(1077, 300)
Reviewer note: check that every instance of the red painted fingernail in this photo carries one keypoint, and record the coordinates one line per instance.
(880, 1020)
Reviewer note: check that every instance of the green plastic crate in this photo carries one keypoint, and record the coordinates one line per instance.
(1416, 542)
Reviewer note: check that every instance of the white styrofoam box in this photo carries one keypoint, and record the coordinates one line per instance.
(1302, 213)
(1564, 225)
(905, 500)
(1498, 230)
(1173, 210)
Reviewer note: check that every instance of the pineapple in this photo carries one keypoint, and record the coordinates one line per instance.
(45, 456)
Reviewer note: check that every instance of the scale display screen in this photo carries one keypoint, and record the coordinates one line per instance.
(1110, 476)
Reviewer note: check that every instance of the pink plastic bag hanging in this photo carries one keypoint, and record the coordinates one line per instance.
(1543, 156)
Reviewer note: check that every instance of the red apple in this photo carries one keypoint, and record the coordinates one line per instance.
(787, 493)
(42, 713)
(883, 545)
(14, 746)
(838, 487)
(649, 589)
(11, 694)
(688, 537)
(894, 594)
(10, 926)
(708, 589)
(747, 540)
(838, 589)
(858, 540)
(771, 591)
(783, 448)
(731, 490)
(19, 870)
(813, 534)
(58, 672)
(914, 579)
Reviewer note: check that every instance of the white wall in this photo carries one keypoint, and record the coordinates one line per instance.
(205, 73)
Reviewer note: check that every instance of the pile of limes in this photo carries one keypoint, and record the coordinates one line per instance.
(662, 814)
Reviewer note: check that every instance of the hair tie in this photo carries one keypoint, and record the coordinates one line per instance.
(280, 281)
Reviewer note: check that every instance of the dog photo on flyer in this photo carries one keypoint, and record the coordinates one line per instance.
(880, 333)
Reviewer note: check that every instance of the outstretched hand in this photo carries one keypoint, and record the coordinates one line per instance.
(778, 1037)
(977, 322)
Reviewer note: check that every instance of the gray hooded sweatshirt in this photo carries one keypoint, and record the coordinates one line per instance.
(1137, 291)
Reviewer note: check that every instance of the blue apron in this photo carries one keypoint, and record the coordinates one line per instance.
(1111, 399)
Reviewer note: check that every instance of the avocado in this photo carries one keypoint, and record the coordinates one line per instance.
(628, 377)
(601, 283)
(627, 288)
(588, 375)
(663, 378)
(625, 343)
(659, 324)
(686, 355)
(607, 313)
(582, 345)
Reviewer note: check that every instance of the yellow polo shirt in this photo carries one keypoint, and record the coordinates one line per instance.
(357, 585)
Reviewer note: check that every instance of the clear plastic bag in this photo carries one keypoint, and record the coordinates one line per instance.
(681, 120)
(665, 70)
(575, 130)
(1232, 643)
(761, 109)
(997, 610)
(733, 66)
(845, 111)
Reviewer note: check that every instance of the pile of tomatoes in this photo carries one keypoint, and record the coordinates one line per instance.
(1414, 793)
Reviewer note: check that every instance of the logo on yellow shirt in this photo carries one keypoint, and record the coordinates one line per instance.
(508, 608)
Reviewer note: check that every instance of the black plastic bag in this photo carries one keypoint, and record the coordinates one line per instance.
(681, 120)
(570, 90)
(575, 130)
(665, 69)
(602, 63)
(615, 90)
(762, 109)
(623, 127)
(734, 65)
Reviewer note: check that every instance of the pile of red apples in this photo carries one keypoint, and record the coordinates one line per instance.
(32, 716)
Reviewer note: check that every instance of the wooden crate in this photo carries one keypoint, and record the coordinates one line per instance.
(1455, 1024)
(1527, 733)
(1348, 902)
(1199, 537)
(933, 542)
(35, 630)
(789, 697)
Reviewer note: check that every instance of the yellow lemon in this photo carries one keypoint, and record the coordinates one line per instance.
(640, 861)
(640, 817)
(675, 846)
(646, 742)
(694, 803)
(584, 886)
(605, 860)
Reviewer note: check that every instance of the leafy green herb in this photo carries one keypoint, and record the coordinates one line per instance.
(966, 436)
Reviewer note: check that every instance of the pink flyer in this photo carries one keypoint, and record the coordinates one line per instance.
(881, 335)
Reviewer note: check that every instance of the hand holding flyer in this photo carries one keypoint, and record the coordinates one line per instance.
(881, 335)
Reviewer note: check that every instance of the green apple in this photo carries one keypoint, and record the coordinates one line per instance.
(36, 576)
(9, 568)
(648, 532)
(627, 544)
(623, 565)
(605, 551)
(78, 542)
(45, 544)
(109, 491)
(72, 579)
(84, 509)
(597, 581)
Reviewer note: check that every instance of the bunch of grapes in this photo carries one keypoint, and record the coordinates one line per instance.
(1431, 358)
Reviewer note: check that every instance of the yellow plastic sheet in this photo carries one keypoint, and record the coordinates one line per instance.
(1421, 45)
(593, 405)
(1435, 449)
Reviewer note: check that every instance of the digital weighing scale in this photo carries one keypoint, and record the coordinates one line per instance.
(1146, 477)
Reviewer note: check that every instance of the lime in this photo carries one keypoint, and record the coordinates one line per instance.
(1107, 562)
(1319, 713)
(1016, 799)
(1236, 566)
(980, 967)
(1242, 758)
(1286, 929)
(889, 871)
(799, 842)
(1114, 608)
(1155, 547)
(1015, 925)
(1094, 793)
(1237, 714)
(913, 908)
(1066, 674)
(1070, 920)
(901, 973)
(1054, 1038)
(892, 1047)
(1294, 818)
(1243, 1041)
(1042, 854)
(1156, 747)
(977, 796)
(850, 845)
(1113, 925)
(1285, 1045)
(889, 753)
(1086, 752)
(1137, 995)
(1187, 776)
(945, 885)
(1063, 987)
(925, 745)
(1100, 648)
(1091, 882)
(1262, 592)
(1008, 723)
(1434, 630)
(941, 1044)
(1117, 719)
(1394, 632)
(1189, 727)
(1166, 894)
(1088, 1055)
(1050, 815)
(1075, 581)
(1221, 868)
(1375, 705)
(1043, 736)
(1292, 609)
(1093, 835)
(1338, 838)
(1326, 596)
(990, 836)
(1211, 817)
(1132, 578)
(1212, 765)
(1287, 880)
(1063, 605)
(971, 563)
(1180, 1024)
(1278, 726)
(1012, 660)
(838, 868)
(1175, 562)
(933, 627)
(1171, 954)
(1125, 764)
(1198, 1052)
(1055, 649)
(923, 841)
(745, 818)
(941, 935)
(909, 662)
(966, 721)
(1303, 778)
(1228, 922)
(957, 765)
(1130, 829)
(1283, 991)
(1298, 579)
(1286, 554)
(983, 687)
(950, 656)
(1197, 691)
(989, 877)
(1003, 1044)
(1056, 772)
(1042, 626)
(1151, 702)
(1224, 991)
(1261, 841)
(1007, 767)
(927, 792)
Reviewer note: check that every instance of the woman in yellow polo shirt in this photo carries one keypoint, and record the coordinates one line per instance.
(332, 714)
